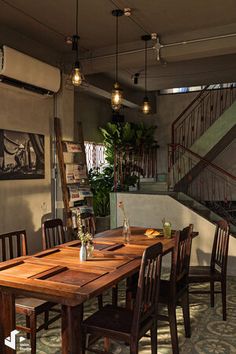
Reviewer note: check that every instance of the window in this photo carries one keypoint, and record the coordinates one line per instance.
(195, 88)
(95, 154)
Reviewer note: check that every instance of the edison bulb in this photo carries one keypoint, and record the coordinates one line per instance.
(116, 97)
(77, 77)
(146, 108)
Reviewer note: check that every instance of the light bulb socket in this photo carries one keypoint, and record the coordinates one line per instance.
(117, 87)
(77, 65)
(75, 39)
(117, 12)
(146, 37)
(135, 78)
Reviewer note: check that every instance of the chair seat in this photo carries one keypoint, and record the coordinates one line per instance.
(30, 304)
(110, 319)
(199, 274)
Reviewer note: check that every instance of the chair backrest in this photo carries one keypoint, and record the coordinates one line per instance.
(88, 224)
(13, 244)
(181, 259)
(220, 248)
(53, 233)
(148, 286)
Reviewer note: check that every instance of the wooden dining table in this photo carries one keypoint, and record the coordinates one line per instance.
(58, 275)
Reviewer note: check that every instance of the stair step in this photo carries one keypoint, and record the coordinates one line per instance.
(204, 212)
(153, 187)
(188, 203)
(201, 210)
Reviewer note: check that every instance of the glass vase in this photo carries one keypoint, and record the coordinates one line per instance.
(90, 249)
(126, 230)
(83, 252)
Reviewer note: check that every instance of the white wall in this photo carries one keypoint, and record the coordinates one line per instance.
(148, 210)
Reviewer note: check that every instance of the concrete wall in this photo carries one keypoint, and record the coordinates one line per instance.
(23, 202)
(168, 109)
(93, 112)
(148, 210)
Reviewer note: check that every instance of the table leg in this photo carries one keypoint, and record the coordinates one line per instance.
(7, 320)
(72, 318)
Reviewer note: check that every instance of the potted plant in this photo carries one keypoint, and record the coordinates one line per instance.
(123, 141)
(101, 182)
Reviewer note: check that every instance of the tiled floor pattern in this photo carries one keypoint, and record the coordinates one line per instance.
(210, 335)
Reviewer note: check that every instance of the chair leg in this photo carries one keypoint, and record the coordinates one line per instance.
(107, 344)
(134, 347)
(186, 315)
(33, 333)
(46, 318)
(115, 295)
(173, 328)
(154, 338)
(223, 290)
(84, 338)
(100, 302)
(28, 326)
(212, 290)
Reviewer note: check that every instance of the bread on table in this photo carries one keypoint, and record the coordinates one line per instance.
(152, 233)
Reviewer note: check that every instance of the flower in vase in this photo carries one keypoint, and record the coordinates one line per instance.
(84, 237)
(122, 207)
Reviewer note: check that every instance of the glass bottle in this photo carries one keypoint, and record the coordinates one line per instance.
(126, 230)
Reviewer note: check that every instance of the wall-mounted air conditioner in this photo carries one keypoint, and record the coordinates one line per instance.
(21, 70)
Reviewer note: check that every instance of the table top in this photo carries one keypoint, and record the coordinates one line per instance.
(59, 276)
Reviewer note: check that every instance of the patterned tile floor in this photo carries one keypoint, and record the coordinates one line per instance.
(210, 335)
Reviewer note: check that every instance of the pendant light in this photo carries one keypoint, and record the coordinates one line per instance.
(76, 75)
(117, 92)
(146, 107)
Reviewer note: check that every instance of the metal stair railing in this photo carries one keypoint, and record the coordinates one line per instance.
(202, 180)
(201, 113)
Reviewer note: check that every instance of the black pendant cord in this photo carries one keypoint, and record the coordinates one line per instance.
(117, 38)
(145, 69)
(77, 30)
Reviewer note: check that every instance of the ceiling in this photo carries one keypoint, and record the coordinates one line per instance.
(48, 22)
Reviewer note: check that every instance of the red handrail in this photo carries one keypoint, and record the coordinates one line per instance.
(175, 146)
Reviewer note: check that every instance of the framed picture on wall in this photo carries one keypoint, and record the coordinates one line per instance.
(21, 155)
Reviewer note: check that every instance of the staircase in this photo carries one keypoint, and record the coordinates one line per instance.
(199, 135)
(203, 130)
(205, 211)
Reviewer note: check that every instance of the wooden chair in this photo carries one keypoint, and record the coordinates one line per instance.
(174, 292)
(129, 326)
(12, 245)
(53, 233)
(217, 270)
(88, 224)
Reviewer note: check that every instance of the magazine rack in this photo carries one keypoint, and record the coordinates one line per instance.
(76, 192)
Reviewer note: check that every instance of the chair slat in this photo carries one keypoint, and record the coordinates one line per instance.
(53, 233)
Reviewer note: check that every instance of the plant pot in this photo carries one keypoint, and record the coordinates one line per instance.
(102, 223)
